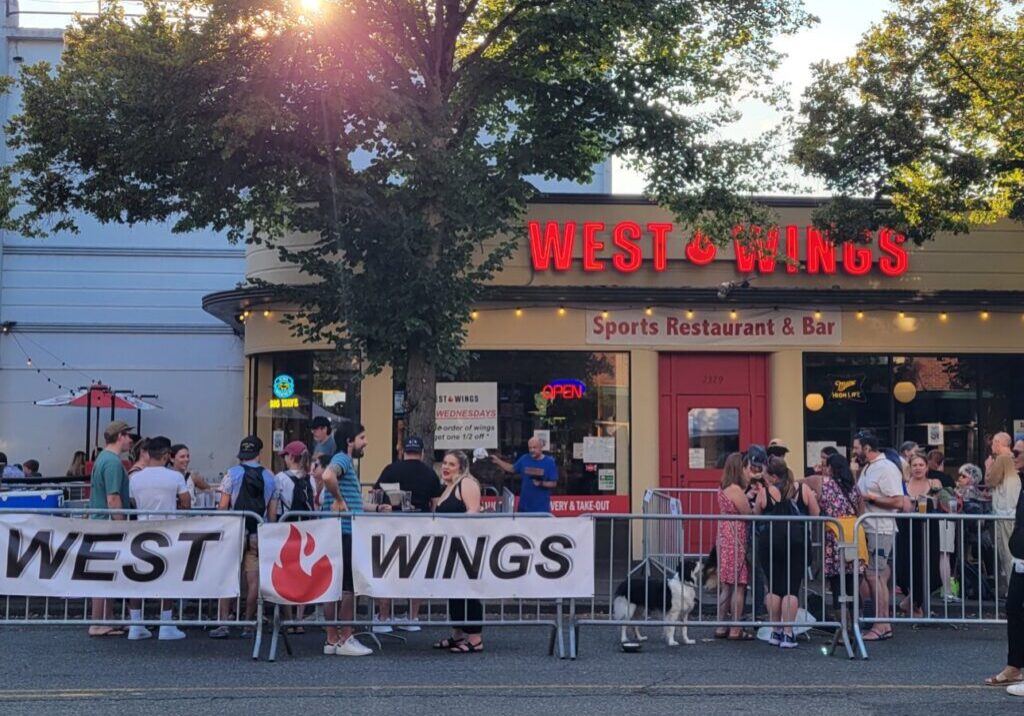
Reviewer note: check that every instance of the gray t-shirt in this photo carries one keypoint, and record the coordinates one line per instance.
(327, 447)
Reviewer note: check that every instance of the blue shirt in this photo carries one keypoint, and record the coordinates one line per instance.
(232, 483)
(531, 497)
(348, 486)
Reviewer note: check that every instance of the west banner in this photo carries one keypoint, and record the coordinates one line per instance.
(194, 558)
(301, 562)
(485, 558)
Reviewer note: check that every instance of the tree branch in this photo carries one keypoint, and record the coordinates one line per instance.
(496, 32)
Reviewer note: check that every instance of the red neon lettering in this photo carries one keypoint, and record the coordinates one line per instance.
(821, 253)
(624, 237)
(792, 249)
(553, 243)
(591, 246)
(760, 249)
(660, 234)
(700, 250)
(565, 391)
(856, 259)
(889, 242)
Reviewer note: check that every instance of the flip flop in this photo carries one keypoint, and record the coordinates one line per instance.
(721, 633)
(106, 631)
(742, 636)
(877, 636)
(1001, 680)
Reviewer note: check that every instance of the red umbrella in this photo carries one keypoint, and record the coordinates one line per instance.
(101, 396)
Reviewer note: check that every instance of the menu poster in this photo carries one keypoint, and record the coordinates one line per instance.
(696, 460)
(598, 450)
(466, 416)
(545, 439)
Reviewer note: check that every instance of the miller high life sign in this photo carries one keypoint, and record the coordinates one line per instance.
(791, 248)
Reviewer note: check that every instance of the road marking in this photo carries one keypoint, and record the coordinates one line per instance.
(149, 691)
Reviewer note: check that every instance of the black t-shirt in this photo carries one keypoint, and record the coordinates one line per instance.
(413, 476)
(942, 477)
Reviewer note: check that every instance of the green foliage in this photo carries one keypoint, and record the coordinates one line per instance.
(397, 133)
(926, 115)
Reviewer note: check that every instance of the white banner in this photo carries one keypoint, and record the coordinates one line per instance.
(747, 327)
(301, 562)
(483, 558)
(466, 416)
(195, 558)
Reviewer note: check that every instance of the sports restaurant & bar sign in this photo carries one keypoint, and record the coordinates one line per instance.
(792, 249)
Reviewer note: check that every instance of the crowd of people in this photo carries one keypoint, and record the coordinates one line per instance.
(152, 475)
(904, 558)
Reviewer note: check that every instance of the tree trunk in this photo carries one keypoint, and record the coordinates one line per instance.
(421, 399)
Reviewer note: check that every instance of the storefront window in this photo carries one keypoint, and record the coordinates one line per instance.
(578, 402)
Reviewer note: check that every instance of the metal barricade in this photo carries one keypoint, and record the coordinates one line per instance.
(85, 612)
(546, 613)
(663, 540)
(754, 564)
(73, 489)
(942, 568)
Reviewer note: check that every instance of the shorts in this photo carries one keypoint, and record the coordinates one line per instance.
(879, 550)
(947, 536)
(251, 558)
(346, 560)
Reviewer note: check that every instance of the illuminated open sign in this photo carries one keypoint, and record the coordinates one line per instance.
(567, 389)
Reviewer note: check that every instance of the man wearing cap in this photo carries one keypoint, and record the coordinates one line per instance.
(323, 440)
(109, 491)
(237, 494)
(157, 488)
(539, 477)
(411, 475)
(777, 448)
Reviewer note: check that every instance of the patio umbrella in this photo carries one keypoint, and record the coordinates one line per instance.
(101, 396)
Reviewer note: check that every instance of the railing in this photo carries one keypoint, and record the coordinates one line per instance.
(749, 557)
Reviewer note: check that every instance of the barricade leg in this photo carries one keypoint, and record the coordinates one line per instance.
(258, 640)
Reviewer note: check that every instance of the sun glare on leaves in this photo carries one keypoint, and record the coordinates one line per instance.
(310, 7)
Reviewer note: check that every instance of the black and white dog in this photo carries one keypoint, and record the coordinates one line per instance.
(674, 598)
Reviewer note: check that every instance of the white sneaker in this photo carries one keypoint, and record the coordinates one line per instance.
(171, 633)
(330, 649)
(410, 627)
(951, 598)
(351, 647)
(1015, 690)
(138, 633)
(381, 626)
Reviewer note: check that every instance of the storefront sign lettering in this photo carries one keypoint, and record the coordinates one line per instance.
(567, 389)
(280, 403)
(675, 327)
(847, 387)
(793, 249)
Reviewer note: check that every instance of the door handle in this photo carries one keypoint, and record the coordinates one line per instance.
(682, 476)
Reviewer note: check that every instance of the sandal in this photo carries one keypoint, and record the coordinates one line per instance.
(742, 636)
(102, 631)
(467, 647)
(721, 633)
(876, 635)
(449, 643)
(1001, 679)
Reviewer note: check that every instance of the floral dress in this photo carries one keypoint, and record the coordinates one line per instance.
(835, 504)
(731, 542)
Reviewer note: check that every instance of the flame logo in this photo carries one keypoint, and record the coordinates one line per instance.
(290, 580)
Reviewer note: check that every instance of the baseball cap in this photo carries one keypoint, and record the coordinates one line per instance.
(413, 445)
(249, 448)
(319, 422)
(480, 454)
(294, 448)
(756, 455)
(777, 447)
(117, 427)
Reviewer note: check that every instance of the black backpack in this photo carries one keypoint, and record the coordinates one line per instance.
(302, 494)
(251, 496)
(789, 535)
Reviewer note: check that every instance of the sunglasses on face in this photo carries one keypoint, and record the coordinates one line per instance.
(1016, 453)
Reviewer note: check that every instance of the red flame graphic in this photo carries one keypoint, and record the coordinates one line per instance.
(290, 580)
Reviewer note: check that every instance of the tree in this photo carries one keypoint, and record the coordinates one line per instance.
(397, 133)
(921, 129)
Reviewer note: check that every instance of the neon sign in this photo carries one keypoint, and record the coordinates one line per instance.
(806, 249)
(277, 403)
(284, 386)
(566, 389)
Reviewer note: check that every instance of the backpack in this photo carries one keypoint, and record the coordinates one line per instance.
(251, 496)
(302, 494)
(792, 532)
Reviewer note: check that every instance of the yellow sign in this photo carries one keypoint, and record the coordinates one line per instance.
(276, 403)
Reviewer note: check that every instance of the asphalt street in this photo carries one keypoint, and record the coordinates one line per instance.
(931, 671)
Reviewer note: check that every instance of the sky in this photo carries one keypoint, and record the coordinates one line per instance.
(841, 25)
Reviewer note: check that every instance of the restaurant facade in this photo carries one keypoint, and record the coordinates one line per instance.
(643, 354)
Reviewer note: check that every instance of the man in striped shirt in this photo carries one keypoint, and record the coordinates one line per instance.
(342, 494)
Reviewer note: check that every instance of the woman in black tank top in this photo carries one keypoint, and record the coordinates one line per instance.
(461, 495)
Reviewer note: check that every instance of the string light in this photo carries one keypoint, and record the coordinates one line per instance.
(902, 314)
(604, 314)
(689, 313)
(519, 312)
(474, 315)
(561, 310)
(266, 314)
(733, 314)
(817, 315)
(984, 315)
(943, 316)
(649, 311)
(28, 362)
(860, 315)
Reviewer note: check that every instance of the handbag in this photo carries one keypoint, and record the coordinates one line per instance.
(844, 535)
